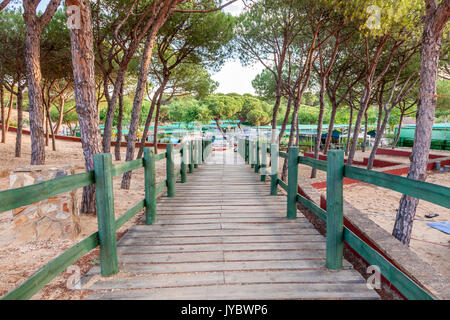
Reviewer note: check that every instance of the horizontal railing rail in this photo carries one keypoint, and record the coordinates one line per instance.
(337, 233)
(105, 237)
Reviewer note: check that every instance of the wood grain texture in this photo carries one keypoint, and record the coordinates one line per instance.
(225, 237)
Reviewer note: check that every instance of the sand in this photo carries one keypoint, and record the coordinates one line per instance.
(19, 261)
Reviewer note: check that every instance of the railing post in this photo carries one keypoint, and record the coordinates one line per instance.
(203, 150)
(274, 168)
(251, 156)
(257, 159)
(335, 209)
(196, 153)
(247, 147)
(292, 183)
(263, 161)
(150, 186)
(191, 156)
(200, 151)
(104, 197)
(170, 174)
(184, 157)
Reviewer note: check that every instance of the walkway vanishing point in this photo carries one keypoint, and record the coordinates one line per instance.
(225, 237)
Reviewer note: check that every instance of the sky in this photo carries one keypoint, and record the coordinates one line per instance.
(233, 77)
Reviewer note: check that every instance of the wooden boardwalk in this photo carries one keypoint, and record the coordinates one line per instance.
(224, 237)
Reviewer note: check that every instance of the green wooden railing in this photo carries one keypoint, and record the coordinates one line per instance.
(195, 151)
(337, 233)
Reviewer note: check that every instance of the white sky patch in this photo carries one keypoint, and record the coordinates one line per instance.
(233, 77)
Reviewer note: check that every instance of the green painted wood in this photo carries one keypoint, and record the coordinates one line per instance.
(402, 282)
(183, 166)
(191, 156)
(121, 168)
(170, 175)
(130, 213)
(292, 183)
(263, 161)
(160, 156)
(160, 187)
(48, 272)
(282, 184)
(335, 209)
(195, 153)
(257, 156)
(150, 186)
(274, 167)
(247, 150)
(314, 208)
(318, 164)
(282, 154)
(200, 151)
(18, 197)
(437, 194)
(104, 196)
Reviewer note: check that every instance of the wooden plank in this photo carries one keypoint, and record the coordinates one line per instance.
(104, 196)
(164, 268)
(160, 156)
(314, 208)
(157, 281)
(294, 276)
(292, 183)
(18, 197)
(175, 220)
(172, 257)
(274, 255)
(150, 186)
(418, 189)
(121, 168)
(136, 231)
(335, 209)
(255, 291)
(130, 214)
(318, 164)
(224, 247)
(130, 241)
(170, 176)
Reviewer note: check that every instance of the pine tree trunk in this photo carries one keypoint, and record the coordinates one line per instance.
(18, 151)
(8, 117)
(319, 125)
(291, 136)
(431, 49)
(32, 44)
(363, 147)
(331, 126)
(362, 110)
(137, 105)
(399, 129)
(380, 133)
(349, 131)
(2, 105)
(84, 84)
(119, 127)
(156, 97)
(285, 120)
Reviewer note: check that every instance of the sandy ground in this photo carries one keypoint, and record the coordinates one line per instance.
(19, 261)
